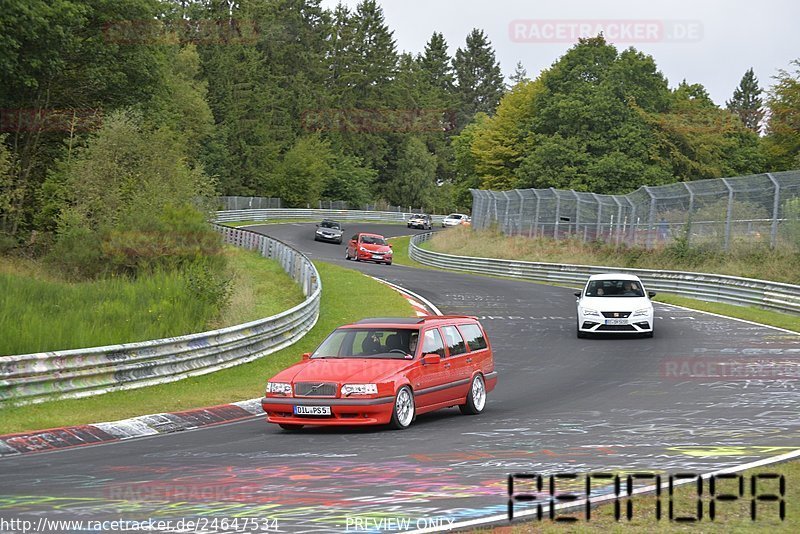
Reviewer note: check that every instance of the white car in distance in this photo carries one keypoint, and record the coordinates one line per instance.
(614, 303)
(454, 219)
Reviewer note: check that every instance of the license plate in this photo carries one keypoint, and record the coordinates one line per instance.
(616, 321)
(312, 410)
(378, 256)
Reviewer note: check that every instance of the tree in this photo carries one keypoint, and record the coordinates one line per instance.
(130, 202)
(436, 65)
(747, 103)
(480, 81)
(414, 181)
(302, 174)
(60, 72)
(520, 75)
(499, 145)
(349, 181)
(783, 127)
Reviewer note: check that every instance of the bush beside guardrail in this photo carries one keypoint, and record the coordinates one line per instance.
(702, 286)
(32, 378)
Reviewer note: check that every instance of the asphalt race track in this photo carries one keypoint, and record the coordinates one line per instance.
(562, 405)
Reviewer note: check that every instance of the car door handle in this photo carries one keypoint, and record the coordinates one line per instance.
(447, 366)
(469, 360)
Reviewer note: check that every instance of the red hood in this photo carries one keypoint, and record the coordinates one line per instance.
(350, 370)
(376, 248)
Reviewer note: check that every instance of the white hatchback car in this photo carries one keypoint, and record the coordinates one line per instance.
(454, 219)
(614, 303)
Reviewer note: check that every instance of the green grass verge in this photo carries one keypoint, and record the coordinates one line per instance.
(41, 312)
(729, 516)
(342, 302)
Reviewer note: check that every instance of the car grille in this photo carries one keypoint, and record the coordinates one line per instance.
(616, 328)
(616, 315)
(315, 389)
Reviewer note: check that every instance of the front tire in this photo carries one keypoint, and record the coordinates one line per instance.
(579, 334)
(404, 410)
(476, 397)
(650, 333)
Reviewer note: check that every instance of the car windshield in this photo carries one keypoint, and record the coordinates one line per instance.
(614, 288)
(373, 240)
(454, 216)
(330, 224)
(391, 343)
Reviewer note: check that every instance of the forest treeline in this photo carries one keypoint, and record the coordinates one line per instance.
(118, 117)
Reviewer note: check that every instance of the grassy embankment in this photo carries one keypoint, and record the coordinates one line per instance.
(41, 311)
(342, 302)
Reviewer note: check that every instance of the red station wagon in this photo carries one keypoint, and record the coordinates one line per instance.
(369, 247)
(385, 371)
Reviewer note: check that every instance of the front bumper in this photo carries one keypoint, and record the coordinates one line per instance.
(369, 256)
(344, 412)
(331, 238)
(592, 324)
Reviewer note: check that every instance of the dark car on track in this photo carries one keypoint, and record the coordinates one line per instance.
(420, 220)
(330, 231)
(385, 371)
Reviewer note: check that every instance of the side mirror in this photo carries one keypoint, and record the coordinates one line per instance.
(390, 245)
(578, 294)
(317, 225)
(431, 359)
(306, 356)
(651, 294)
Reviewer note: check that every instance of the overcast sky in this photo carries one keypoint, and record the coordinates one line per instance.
(712, 42)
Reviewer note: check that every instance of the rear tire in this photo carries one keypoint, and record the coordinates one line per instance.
(347, 255)
(290, 427)
(476, 397)
(404, 410)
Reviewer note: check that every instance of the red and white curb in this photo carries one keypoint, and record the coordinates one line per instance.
(422, 306)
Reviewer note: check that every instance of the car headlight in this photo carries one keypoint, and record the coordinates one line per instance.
(281, 388)
(587, 311)
(643, 311)
(362, 249)
(359, 389)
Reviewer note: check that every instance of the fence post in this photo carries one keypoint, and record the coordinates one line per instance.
(776, 206)
(521, 207)
(599, 231)
(506, 218)
(558, 213)
(536, 217)
(577, 213)
(728, 215)
(651, 219)
(691, 210)
(619, 218)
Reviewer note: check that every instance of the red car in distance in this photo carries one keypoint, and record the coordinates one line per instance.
(369, 247)
(385, 371)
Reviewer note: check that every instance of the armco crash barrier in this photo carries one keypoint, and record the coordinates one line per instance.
(709, 287)
(338, 215)
(32, 378)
